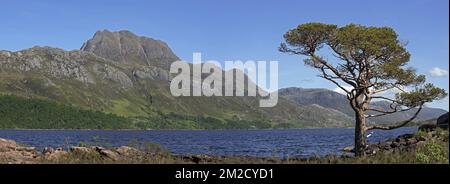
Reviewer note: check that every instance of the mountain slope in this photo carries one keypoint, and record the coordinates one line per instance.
(127, 75)
(34, 113)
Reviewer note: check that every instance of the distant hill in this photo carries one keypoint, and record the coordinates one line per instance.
(336, 101)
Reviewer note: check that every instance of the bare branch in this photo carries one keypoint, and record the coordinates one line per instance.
(386, 98)
(383, 113)
(401, 124)
(327, 77)
(334, 70)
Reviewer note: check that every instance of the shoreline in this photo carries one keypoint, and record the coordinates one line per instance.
(182, 129)
(402, 149)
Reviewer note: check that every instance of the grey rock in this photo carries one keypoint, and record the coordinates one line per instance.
(107, 72)
(349, 149)
(419, 139)
(84, 150)
(127, 151)
(395, 145)
(126, 47)
(427, 127)
(48, 151)
(152, 73)
(411, 141)
(107, 153)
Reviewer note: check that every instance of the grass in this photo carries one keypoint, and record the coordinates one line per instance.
(384, 158)
(123, 107)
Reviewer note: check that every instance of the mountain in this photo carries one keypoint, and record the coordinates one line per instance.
(126, 75)
(129, 49)
(336, 101)
(323, 97)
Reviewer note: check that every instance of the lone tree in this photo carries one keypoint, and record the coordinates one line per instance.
(370, 61)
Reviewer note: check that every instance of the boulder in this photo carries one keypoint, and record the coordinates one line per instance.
(411, 141)
(407, 136)
(385, 145)
(395, 145)
(107, 153)
(127, 151)
(54, 154)
(48, 151)
(372, 149)
(348, 149)
(11, 152)
(427, 127)
(85, 150)
(421, 138)
(7, 144)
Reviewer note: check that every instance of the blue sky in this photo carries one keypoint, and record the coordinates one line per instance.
(231, 30)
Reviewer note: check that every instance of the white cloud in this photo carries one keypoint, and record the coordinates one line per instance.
(341, 91)
(438, 72)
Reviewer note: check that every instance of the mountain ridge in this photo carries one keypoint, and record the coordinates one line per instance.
(132, 88)
(127, 75)
(331, 99)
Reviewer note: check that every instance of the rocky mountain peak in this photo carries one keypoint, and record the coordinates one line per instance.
(127, 48)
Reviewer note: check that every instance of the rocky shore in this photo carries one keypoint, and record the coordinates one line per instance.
(402, 149)
(406, 142)
(13, 153)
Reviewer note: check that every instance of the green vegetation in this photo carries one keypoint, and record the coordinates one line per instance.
(177, 121)
(434, 151)
(39, 113)
(124, 108)
(33, 113)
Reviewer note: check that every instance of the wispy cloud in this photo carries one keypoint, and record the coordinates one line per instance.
(438, 72)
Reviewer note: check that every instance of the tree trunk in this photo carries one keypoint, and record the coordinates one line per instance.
(360, 133)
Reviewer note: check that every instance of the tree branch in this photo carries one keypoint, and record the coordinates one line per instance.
(334, 70)
(327, 77)
(401, 124)
(383, 113)
(386, 98)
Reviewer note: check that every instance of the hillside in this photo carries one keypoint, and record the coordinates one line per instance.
(127, 75)
(336, 101)
(35, 113)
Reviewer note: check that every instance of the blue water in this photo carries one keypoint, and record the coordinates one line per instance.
(262, 143)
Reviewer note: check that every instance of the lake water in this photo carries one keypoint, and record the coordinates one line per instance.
(262, 143)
